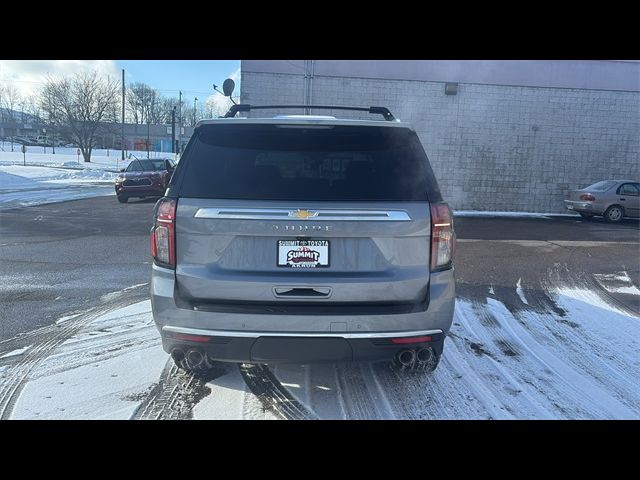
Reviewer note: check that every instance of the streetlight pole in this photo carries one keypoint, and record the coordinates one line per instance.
(122, 115)
(54, 133)
(173, 131)
(195, 100)
(180, 122)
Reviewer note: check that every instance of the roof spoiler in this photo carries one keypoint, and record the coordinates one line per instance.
(245, 107)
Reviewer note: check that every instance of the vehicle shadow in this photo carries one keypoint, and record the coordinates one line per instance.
(546, 228)
(630, 222)
(133, 201)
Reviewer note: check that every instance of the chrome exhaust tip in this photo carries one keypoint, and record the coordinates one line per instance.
(178, 355)
(407, 358)
(425, 355)
(195, 358)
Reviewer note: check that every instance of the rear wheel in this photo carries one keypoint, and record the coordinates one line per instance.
(122, 199)
(614, 214)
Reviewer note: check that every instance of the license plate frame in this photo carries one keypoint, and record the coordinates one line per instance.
(319, 249)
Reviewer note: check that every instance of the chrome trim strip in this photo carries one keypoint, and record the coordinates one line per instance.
(236, 333)
(318, 215)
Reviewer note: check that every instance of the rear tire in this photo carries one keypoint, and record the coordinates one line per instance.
(123, 199)
(614, 214)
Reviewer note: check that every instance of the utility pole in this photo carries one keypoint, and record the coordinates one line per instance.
(147, 138)
(180, 123)
(195, 100)
(123, 114)
(52, 126)
(173, 130)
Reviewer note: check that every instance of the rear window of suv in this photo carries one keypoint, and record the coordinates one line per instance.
(299, 162)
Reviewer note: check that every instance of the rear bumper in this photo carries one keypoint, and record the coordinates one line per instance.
(145, 191)
(296, 337)
(258, 347)
(582, 207)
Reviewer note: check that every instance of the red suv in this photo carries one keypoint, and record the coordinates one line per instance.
(144, 178)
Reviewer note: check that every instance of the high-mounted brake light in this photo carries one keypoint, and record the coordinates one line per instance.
(587, 197)
(163, 233)
(443, 237)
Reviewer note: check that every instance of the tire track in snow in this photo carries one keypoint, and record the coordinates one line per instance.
(176, 393)
(379, 395)
(602, 350)
(112, 344)
(354, 392)
(497, 364)
(504, 369)
(50, 337)
(273, 395)
(574, 383)
(446, 393)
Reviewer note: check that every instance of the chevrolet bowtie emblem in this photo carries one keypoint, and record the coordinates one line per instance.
(303, 214)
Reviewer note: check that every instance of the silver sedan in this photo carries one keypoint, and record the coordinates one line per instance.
(612, 199)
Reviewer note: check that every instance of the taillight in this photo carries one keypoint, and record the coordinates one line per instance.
(587, 197)
(163, 234)
(443, 237)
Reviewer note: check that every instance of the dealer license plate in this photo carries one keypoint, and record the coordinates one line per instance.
(303, 253)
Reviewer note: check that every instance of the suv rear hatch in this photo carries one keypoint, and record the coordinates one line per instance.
(282, 213)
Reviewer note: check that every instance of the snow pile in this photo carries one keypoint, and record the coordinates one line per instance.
(33, 185)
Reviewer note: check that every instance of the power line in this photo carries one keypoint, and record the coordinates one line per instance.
(160, 90)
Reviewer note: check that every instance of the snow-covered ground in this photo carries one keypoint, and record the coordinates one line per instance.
(108, 368)
(67, 157)
(34, 185)
(566, 351)
(48, 178)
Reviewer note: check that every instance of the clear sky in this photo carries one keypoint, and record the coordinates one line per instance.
(194, 77)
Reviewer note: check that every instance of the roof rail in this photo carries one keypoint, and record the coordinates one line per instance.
(245, 107)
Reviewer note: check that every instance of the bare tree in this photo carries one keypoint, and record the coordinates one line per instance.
(217, 105)
(32, 110)
(166, 107)
(2, 115)
(134, 102)
(187, 116)
(79, 106)
(144, 104)
(11, 99)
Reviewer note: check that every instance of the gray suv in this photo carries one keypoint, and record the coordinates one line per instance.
(302, 239)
